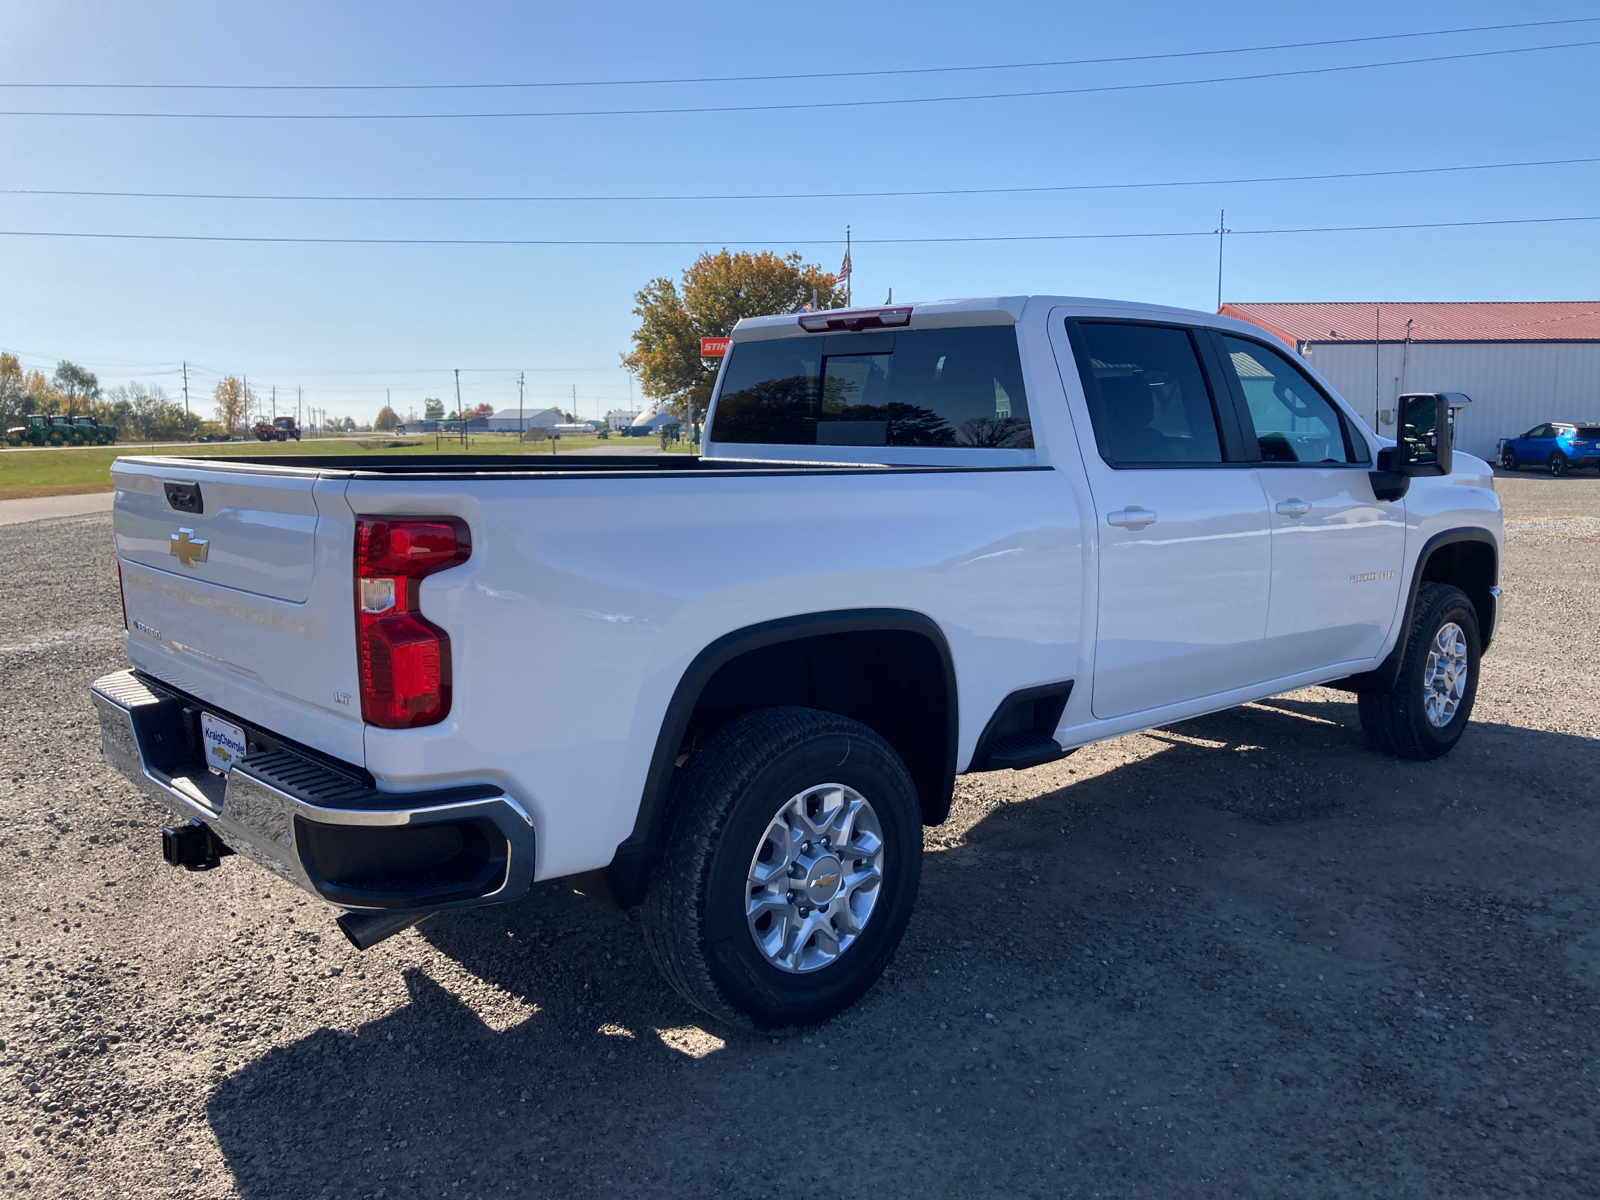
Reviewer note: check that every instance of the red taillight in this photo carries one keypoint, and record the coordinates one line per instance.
(403, 658)
(855, 319)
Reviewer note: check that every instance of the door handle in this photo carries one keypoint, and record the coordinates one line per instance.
(1132, 517)
(1293, 508)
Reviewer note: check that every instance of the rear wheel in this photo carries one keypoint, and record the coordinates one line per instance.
(1428, 710)
(788, 870)
(1558, 463)
(1508, 459)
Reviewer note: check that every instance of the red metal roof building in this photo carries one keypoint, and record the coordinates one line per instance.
(1431, 321)
(1522, 362)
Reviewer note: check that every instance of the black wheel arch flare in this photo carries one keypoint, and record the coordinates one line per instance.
(624, 881)
(1454, 557)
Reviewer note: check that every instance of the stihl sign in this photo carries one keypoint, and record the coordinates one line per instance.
(714, 347)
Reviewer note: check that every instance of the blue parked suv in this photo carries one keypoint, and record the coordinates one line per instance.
(1555, 445)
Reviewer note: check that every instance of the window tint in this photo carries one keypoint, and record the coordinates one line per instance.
(1147, 396)
(1294, 422)
(919, 387)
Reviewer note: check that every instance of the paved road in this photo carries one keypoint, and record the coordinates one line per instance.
(1241, 956)
(40, 508)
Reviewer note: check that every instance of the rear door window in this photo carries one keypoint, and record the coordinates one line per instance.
(1148, 399)
(918, 387)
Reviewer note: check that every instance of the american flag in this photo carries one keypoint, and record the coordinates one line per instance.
(844, 267)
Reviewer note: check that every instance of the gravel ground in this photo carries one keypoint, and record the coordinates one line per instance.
(1238, 957)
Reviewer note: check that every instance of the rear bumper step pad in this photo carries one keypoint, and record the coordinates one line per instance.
(327, 831)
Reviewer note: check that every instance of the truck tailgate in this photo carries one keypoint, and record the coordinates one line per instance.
(237, 584)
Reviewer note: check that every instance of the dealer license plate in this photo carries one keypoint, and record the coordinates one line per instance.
(224, 742)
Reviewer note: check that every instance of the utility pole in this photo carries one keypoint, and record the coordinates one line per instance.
(522, 428)
(1377, 367)
(574, 402)
(244, 399)
(274, 402)
(186, 388)
(460, 416)
(298, 419)
(1222, 232)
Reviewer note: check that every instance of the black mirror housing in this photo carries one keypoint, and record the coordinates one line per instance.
(1425, 446)
(1425, 443)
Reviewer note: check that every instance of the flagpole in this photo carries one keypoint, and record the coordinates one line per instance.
(852, 266)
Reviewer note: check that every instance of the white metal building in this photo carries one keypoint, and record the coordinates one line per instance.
(1522, 363)
(652, 421)
(509, 420)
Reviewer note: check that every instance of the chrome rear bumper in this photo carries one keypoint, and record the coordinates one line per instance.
(320, 828)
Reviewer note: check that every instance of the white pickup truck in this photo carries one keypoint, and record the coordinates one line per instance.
(922, 540)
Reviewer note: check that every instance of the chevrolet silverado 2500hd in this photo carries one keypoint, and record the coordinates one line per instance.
(921, 540)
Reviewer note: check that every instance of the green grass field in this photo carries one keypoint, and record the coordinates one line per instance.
(26, 472)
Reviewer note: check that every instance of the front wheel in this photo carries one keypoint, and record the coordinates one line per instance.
(1558, 464)
(1427, 712)
(788, 870)
(1508, 459)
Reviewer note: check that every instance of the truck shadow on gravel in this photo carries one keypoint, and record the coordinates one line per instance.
(1258, 960)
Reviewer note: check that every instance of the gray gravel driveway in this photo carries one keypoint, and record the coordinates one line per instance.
(1241, 956)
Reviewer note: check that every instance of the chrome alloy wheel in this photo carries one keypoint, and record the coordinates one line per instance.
(1444, 683)
(815, 878)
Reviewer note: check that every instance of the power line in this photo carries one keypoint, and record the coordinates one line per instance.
(893, 71)
(794, 106)
(976, 191)
(1026, 237)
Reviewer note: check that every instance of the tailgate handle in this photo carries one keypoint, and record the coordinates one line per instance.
(185, 497)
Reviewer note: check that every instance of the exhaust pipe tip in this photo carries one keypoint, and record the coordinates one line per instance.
(366, 930)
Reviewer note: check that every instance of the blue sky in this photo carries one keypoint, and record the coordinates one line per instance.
(347, 321)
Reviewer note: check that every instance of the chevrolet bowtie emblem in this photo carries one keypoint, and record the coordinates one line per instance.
(188, 548)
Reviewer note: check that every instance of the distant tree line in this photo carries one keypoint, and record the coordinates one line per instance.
(140, 412)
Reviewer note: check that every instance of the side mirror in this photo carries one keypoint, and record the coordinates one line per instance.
(1424, 446)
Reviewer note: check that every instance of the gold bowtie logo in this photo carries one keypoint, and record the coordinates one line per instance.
(190, 549)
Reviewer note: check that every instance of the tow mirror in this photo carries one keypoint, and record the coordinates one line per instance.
(1424, 447)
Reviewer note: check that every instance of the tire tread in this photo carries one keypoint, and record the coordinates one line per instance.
(1392, 721)
(704, 793)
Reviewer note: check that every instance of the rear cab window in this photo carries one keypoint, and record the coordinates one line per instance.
(955, 388)
(1148, 398)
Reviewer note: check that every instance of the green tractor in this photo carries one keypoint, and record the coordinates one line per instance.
(42, 431)
(93, 433)
(61, 431)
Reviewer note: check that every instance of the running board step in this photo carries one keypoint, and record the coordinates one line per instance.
(1018, 751)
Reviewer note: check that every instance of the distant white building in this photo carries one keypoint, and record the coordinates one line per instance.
(620, 418)
(509, 420)
(652, 421)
